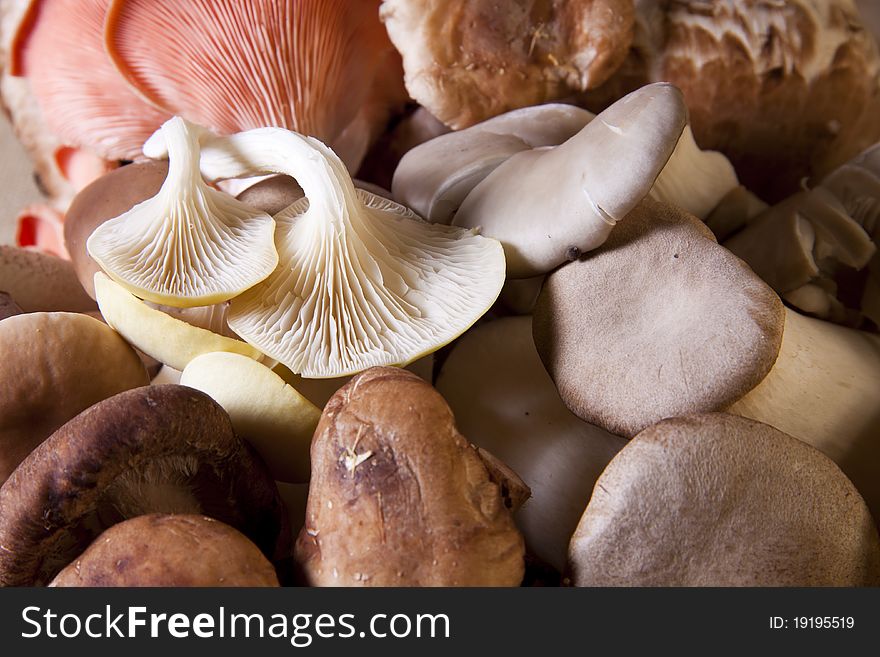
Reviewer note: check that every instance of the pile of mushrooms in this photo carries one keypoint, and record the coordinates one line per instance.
(567, 347)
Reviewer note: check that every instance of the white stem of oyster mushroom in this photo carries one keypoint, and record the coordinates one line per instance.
(362, 281)
(825, 390)
(694, 179)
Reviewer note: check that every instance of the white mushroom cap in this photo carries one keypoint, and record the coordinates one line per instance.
(362, 281)
(190, 245)
(598, 176)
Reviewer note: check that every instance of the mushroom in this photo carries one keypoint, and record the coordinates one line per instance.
(106, 198)
(435, 177)
(304, 65)
(692, 329)
(505, 402)
(810, 246)
(540, 231)
(660, 321)
(271, 415)
(59, 48)
(169, 340)
(156, 449)
(40, 226)
(53, 366)
(718, 500)
(466, 62)
(786, 90)
(398, 497)
(190, 245)
(362, 281)
(41, 283)
(157, 550)
(8, 307)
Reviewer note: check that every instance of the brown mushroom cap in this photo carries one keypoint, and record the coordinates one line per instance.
(719, 500)
(272, 195)
(166, 449)
(8, 307)
(467, 61)
(660, 321)
(41, 283)
(169, 550)
(786, 90)
(398, 497)
(108, 197)
(52, 367)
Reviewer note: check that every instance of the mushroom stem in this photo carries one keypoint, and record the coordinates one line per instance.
(824, 390)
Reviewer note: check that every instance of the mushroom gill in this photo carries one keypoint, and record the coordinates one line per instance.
(305, 65)
(59, 48)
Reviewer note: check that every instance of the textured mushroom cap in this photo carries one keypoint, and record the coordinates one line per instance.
(166, 449)
(505, 402)
(8, 307)
(53, 366)
(41, 283)
(719, 500)
(398, 497)
(786, 90)
(190, 245)
(169, 550)
(660, 321)
(467, 61)
(304, 65)
(169, 340)
(106, 198)
(85, 101)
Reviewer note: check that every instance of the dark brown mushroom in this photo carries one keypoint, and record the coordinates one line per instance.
(166, 449)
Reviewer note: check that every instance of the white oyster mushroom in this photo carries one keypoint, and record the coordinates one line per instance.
(362, 280)
(190, 245)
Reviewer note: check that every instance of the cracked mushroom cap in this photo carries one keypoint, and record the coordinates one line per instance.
(158, 549)
(52, 367)
(318, 60)
(786, 90)
(467, 61)
(162, 449)
(85, 101)
(660, 321)
(398, 497)
(719, 500)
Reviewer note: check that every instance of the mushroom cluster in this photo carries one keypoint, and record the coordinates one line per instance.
(593, 335)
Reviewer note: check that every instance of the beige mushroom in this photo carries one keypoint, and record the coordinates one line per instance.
(505, 402)
(158, 550)
(190, 245)
(399, 498)
(52, 367)
(41, 283)
(540, 231)
(719, 500)
(362, 281)
(466, 62)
